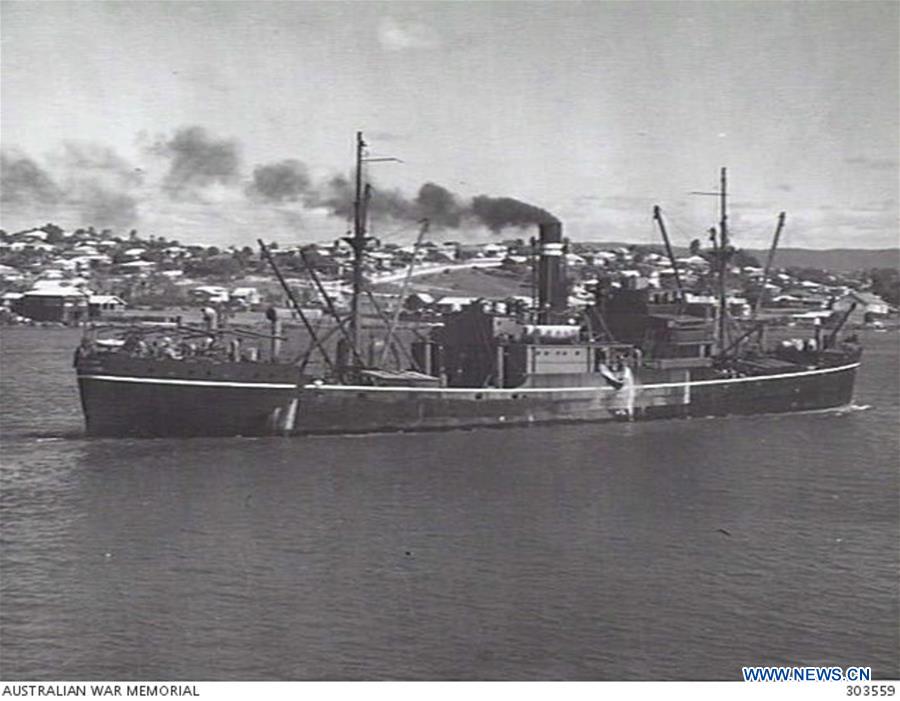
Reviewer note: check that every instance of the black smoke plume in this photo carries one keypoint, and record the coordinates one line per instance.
(439, 205)
(93, 182)
(285, 181)
(198, 160)
(22, 181)
(289, 181)
(336, 195)
(501, 212)
(96, 161)
(104, 207)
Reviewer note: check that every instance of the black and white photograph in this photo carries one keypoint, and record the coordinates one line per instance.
(449, 341)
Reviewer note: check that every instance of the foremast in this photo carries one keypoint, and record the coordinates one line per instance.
(358, 242)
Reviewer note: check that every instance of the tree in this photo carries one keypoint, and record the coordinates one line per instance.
(743, 259)
(214, 266)
(886, 284)
(119, 257)
(54, 233)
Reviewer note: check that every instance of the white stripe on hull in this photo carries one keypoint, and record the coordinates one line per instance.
(548, 390)
(188, 383)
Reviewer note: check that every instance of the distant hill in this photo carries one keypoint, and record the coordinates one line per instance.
(838, 259)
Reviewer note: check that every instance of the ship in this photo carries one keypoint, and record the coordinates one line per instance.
(634, 353)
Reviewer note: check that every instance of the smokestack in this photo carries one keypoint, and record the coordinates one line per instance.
(552, 292)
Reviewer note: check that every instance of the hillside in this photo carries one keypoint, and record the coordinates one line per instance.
(491, 283)
(836, 259)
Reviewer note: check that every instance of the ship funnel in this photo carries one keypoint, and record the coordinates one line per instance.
(551, 282)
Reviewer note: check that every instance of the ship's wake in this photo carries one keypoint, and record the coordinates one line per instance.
(51, 436)
(852, 408)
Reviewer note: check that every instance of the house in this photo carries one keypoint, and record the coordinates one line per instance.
(468, 251)
(100, 305)
(519, 303)
(738, 306)
(439, 255)
(418, 301)
(209, 294)
(83, 263)
(8, 299)
(247, 297)
(696, 262)
(494, 250)
(869, 307)
(800, 297)
(137, 266)
(816, 317)
(84, 250)
(381, 260)
(18, 246)
(453, 304)
(64, 304)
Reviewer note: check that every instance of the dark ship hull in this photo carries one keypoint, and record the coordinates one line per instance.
(160, 398)
(124, 396)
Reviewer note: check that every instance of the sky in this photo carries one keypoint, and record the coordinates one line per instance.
(222, 122)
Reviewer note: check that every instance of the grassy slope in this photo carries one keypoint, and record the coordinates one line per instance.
(473, 282)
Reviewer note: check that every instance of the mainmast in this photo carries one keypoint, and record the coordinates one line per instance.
(358, 241)
(721, 255)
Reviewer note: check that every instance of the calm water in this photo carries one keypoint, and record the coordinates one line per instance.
(577, 552)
